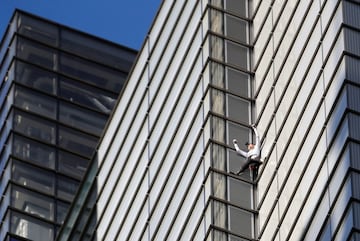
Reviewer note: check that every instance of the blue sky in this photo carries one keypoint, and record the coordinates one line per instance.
(121, 21)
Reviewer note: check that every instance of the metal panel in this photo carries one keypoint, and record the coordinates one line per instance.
(354, 126)
(353, 97)
(352, 41)
(354, 155)
(352, 69)
(351, 13)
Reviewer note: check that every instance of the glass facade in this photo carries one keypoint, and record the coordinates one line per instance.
(58, 88)
(231, 105)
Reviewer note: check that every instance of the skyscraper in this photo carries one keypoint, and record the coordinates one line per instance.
(58, 88)
(208, 70)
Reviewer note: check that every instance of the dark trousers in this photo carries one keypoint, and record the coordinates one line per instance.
(249, 162)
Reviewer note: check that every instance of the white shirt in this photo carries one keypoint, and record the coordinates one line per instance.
(253, 153)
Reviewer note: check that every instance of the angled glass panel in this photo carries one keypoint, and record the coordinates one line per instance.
(36, 53)
(92, 73)
(87, 95)
(38, 29)
(33, 101)
(66, 188)
(76, 141)
(72, 165)
(79, 118)
(31, 228)
(34, 152)
(36, 178)
(32, 202)
(34, 127)
(36, 77)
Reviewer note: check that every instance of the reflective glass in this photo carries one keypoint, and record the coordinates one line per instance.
(34, 177)
(72, 165)
(238, 82)
(66, 188)
(35, 77)
(237, 55)
(237, 6)
(235, 131)
(34, 127)
(96, 50)
(61, 211)
(235, 187)
(92, 73)
(31, 228)
(32, 202)
(38, 29)
(34, 152)
(238, 109)
(240, 221)
(236, 28)
(36, 53)
(79, 118)
(86, 95)
(77, 141)
(33, 101)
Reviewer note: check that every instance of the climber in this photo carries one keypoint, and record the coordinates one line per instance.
(252, 155)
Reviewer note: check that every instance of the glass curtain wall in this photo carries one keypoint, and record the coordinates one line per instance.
(231, 103)
(57, 91)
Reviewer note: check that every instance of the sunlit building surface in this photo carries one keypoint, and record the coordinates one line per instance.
(58, 88)
(207, 70)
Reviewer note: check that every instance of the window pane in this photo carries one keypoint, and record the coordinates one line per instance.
(31, 228)
(35, 77)
(77, 141)
(241, 133)
(36, 53)
(236, 28)
(235, 187)
(72, 165)
(33, 177)
(61, 211)
(92, 73)
(238, 109)
(238, 82)
(86, 95)
(237, 6)
(67, 188)
(240, 221)
(34, 152)
(96, 50)
(35, 102)
(38, 29)
(33, 203)
(82, 119)
(237, 55)
(34, 127)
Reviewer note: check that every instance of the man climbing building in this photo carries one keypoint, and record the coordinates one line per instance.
(252, 155)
